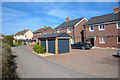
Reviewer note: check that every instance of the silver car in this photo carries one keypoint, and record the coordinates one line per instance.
(118, 52)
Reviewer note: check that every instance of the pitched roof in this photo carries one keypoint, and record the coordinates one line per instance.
(53, 35)
(1, 35)
(104, 18)
(21, 32)
(69, 23)
(41, 29)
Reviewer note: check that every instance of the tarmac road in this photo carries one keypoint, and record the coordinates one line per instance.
(32, 66)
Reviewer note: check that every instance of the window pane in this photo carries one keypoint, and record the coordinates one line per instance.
(118, 24)
(103, 26)
(100, 26)
(91, 27)
(103, 39)
(118, 39)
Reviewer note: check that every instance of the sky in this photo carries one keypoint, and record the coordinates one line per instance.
(17, 16)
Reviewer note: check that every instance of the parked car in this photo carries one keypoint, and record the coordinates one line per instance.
(81, 45)
(118, 52)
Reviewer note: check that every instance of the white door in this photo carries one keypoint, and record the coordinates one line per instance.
(72, 41)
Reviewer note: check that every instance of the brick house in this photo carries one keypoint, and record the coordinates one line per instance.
(73, 28)
(104, 30)
(42, 31)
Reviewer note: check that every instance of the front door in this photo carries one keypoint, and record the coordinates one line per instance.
(92, 41)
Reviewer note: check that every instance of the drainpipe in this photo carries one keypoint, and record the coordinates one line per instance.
(84, 33)
(73, 34)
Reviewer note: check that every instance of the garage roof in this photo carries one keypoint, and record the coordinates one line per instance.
(54, 35)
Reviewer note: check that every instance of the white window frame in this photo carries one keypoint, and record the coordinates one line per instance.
(117, 25)
(59, 30)
(90, 28)
(40, 33)
(102, 26)
(102, 40)
(117, 40)
(69, 30)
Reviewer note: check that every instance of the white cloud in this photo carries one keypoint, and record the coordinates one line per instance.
(61, 13)
(10, 14)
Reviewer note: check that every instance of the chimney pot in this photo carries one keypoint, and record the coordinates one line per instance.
(67, 19)
(44, 26)
(116, 9)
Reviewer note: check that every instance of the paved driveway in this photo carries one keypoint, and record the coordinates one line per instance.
(99, 62)
(33, 66)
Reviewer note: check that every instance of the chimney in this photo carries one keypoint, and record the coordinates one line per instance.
(116, 9)
(67, 19)
(44, 26)
(24, 29)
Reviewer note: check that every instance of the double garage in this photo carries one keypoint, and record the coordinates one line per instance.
(56, 43)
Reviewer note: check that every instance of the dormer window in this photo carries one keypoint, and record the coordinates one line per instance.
(91, 28)
(101, 27)
(69, 30)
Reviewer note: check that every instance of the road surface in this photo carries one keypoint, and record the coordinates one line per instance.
(33, 66)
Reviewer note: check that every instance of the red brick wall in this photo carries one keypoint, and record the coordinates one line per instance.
(49, 30)
(110, 33)
(77, 31)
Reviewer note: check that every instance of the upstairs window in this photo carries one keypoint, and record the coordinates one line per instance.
(101, 27)
(40, 33)
(45, 33)
(118, 25)
(69, 30)
(91, 28)
(118, 40)
(59, 31)
(102, 39)
(37, 33)
(34, 34)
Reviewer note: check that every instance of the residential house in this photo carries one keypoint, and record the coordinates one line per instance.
(104, 30)
(1, 35)
(42, 31)
(74, 28)
(24, 35)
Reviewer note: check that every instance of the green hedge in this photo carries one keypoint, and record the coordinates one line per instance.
(8, 39)
(8, 64)
(38, 48)
(19, 41)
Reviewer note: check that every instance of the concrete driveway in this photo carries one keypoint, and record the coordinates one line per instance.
(99, 62)
(33, 66)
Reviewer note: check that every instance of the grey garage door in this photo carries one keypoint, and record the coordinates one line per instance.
(51, 46)
(43, 43)
(63, 46)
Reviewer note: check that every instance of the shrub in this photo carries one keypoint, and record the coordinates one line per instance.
(38, 48)
(19, 41)
(8, 64)
(8, 39)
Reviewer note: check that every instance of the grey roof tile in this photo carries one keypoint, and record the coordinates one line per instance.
(69, 23)
(52, 35)
(104, 18)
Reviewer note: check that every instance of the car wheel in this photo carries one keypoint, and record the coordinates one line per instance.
(83, 47)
